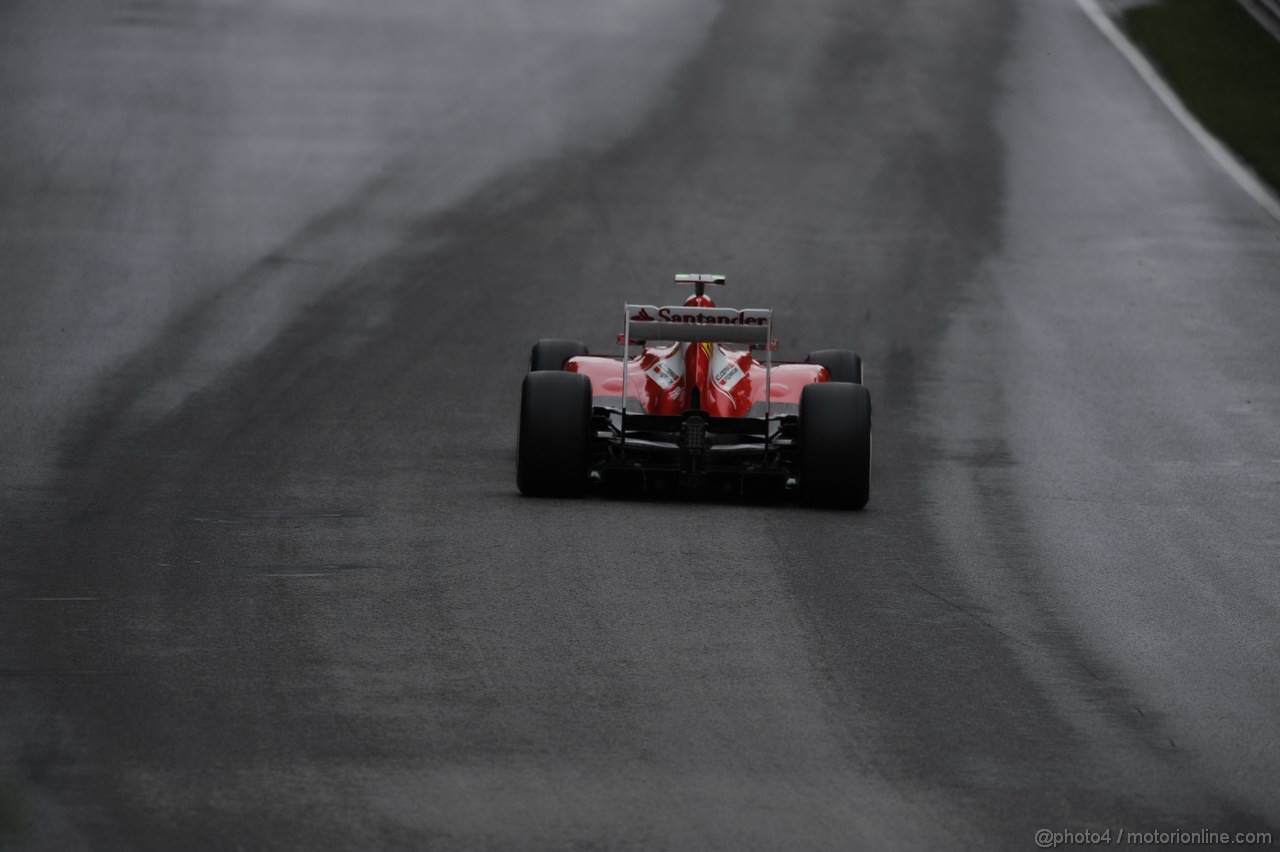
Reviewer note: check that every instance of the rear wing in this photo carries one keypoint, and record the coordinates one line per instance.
(753, 326)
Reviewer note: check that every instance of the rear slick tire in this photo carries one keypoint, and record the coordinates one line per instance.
(844, 365)
(551, 353)
(835, 445)
(555, 425)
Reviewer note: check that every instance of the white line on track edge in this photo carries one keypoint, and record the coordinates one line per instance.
(1242, 176)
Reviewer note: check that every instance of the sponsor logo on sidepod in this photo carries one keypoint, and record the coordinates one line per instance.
(725, 371)
(663, 373)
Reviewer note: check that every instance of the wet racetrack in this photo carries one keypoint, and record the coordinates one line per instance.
(272, 271)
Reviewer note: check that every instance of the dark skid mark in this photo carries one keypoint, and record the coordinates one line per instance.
(283, 259)
(274, 514)
(181, 340)
(288, 572)
(149, 14)
(62, 673)
(56, 599)
(990, 453)
(300, 512)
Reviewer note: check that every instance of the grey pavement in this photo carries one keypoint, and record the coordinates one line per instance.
(271, 276)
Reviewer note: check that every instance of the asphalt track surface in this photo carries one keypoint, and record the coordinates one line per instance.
(271, 273)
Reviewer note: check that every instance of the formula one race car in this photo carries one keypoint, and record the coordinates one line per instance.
(688, 404)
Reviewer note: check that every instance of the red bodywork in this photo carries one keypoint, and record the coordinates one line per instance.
(730, 382)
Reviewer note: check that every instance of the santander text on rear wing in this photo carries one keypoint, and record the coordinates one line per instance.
(753, 326)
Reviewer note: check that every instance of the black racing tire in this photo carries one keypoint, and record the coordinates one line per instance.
(835, 445)
(550, 354)
(555, 427)
(843, 365)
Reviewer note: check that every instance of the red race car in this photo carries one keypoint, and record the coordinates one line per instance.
(689, 403)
